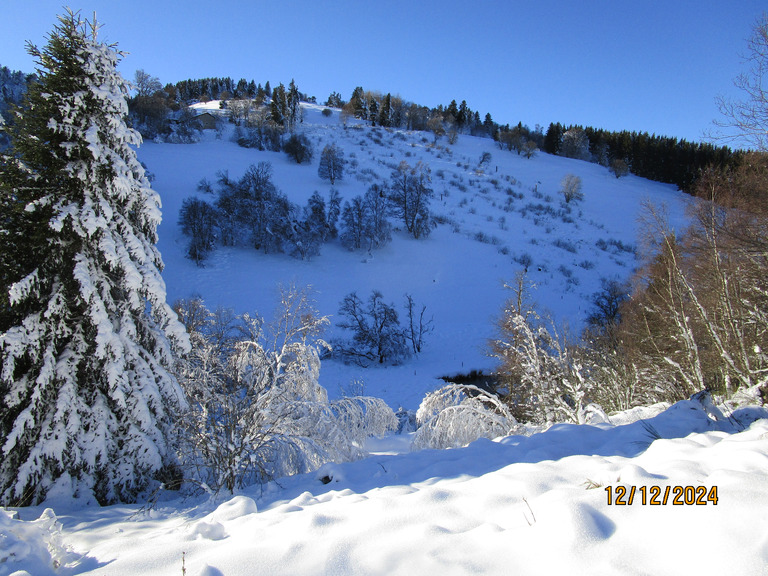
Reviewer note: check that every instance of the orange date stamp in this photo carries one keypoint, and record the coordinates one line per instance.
(661, 495)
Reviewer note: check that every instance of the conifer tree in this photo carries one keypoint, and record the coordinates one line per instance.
(88, 338)
(464, 115)
(279, 106)
(358, 103)
(553, 138)
(293, 105)
(385, 111)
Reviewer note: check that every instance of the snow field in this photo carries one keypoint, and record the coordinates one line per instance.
(521, 505)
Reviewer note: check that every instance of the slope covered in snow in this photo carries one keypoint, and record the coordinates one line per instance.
(535, 504)
(492, 218)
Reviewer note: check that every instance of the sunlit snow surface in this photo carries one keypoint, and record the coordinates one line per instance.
(519, 505)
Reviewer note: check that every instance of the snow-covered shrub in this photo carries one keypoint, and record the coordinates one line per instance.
(406, 420)
(257, 410)
(556, 382)
(547, 382)
(458, 414)
(363, 416)
(571, 188)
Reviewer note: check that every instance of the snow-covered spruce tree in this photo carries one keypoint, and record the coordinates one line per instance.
(87, 398)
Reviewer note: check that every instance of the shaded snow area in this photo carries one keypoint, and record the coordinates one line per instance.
(520, 505)
(535, 503)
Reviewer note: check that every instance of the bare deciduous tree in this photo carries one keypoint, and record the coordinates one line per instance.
(376, 332)
(410, 193)
(418, 326)
(570, 188)
(435, 125)
(746, 120)
(146, 85)
(331, 163)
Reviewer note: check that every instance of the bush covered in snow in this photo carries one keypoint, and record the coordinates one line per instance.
(256, 409)
(458, 414)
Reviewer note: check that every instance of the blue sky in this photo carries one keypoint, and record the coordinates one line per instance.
(653, 66)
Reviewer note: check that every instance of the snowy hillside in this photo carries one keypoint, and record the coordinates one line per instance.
(493, 218)
(554, 502)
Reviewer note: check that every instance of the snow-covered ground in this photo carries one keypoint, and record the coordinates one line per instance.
(520, 505)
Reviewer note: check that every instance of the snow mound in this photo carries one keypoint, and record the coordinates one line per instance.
(208, 531)
(237, 507)
(35, 546)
